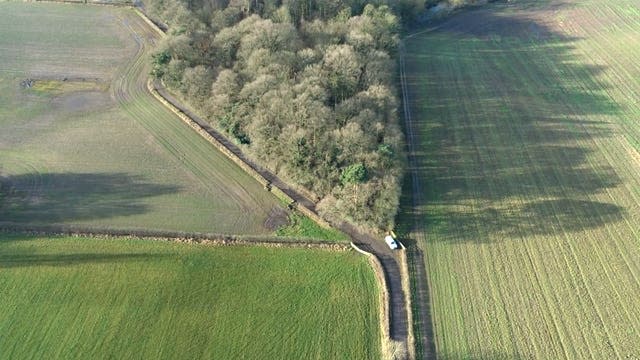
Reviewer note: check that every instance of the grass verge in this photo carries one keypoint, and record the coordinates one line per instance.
(301, 226)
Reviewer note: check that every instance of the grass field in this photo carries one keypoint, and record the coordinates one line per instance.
(302, 226)
(73, 298)
(86, 145)
(526, 116)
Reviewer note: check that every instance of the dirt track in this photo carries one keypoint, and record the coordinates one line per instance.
(419, 281)
(130, 87)
(399, 323)
(390, 261)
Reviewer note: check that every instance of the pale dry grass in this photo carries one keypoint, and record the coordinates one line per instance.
(59, 87)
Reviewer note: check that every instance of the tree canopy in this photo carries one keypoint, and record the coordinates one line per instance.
(305, 87)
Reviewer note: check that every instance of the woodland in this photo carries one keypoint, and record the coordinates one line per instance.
(308, 88)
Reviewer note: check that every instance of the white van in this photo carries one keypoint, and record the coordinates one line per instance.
(391, 242)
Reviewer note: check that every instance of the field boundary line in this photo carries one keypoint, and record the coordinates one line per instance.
(206, 135)
(192, 238)
(425, 322)
(148, 20)
(83, 2)
(406, 287)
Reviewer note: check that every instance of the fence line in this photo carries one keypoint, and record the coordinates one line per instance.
(177, 236)
(125, 3)
(149, 22)
(205, 134)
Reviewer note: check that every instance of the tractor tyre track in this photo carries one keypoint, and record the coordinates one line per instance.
(422, 321)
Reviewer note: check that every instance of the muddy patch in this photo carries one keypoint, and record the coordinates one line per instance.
(68, 94)
(82, 101)
(278, 217)
(62, 85)
(27, 83)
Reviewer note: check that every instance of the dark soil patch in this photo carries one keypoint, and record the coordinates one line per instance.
(83, 101)
(278, 217)
(27, 83)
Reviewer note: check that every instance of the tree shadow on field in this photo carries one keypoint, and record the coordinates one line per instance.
(506, 114)
(58, 198)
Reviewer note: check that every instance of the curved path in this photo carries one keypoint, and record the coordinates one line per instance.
(419, 281)
(390, 261)
(399, 324)
(132, 86)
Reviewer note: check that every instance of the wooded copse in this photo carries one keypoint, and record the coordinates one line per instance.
(307, 88)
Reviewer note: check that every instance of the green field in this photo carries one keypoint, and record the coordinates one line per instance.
(75, 298)
(86, 145)
(526, 116)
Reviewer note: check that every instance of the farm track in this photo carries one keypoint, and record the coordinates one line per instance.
(422, 322)
(389, 261)
(126, 90)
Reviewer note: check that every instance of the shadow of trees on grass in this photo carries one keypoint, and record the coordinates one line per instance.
(506, 117)
(54, 198)
(505, 121)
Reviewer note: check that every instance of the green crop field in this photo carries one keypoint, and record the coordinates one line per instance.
(527, 125)
(74, 298)
(82, 143)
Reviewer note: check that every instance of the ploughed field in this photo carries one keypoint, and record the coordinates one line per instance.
(77, 298)
(527, 124)
(83, 144)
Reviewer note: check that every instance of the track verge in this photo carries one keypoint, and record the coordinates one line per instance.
(422, 321)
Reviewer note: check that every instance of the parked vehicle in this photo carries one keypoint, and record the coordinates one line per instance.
(393, 244)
